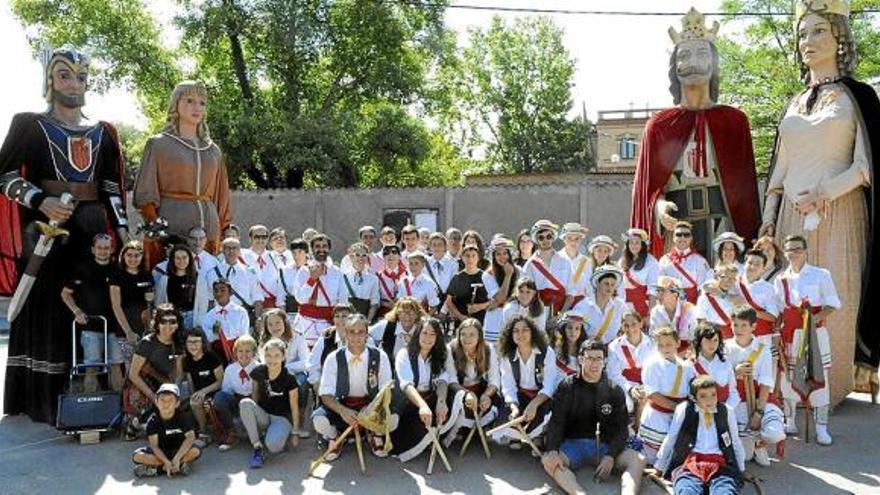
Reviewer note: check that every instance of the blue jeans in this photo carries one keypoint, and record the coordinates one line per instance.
(303, 388)
(93, 348)
(581, 451)
(226, 407)
(688, 484)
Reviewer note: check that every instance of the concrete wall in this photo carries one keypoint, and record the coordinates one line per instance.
(600, 201)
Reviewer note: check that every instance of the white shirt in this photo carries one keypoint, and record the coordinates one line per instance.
(723, 374)
(658, 376)
(421, 287)
(493, 321)
(401, 337)
(242, 278)
(287, 283)
(812, 283)
(684, 321)
(509, 385)
(594, 317)
(334, 288)
(492, 376)
(236, 382)
(443, 270)
(763, 371)
(357, 373)
(406, 374)
(268, 272)
(762, 293)
(646, 276)
(388, 284)
(233, 321)
(705, 310)
(364, 284)
(560, 267)
(617, 361)
(707, 437)
(514, 308)
(205, 261)
(694, 264)
(581, 286)
(315, 363)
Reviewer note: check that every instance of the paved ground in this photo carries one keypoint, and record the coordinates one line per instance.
(36, 459)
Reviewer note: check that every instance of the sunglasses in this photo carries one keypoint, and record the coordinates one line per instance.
(682, 234)
(547, 237)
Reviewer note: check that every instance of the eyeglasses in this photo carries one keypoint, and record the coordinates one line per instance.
(682, 234)
(261, 236)
(359, 255)
(193, 342)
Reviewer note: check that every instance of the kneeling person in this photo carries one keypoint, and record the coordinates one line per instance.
(351, 379)
(583, 405)
(170, 431)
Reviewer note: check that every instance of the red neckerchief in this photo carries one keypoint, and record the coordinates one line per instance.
(243, 374)
(678, 257)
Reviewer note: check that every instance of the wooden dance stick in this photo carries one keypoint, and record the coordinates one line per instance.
(360, 448)
(528, 441)
(334, 444)
(438, 448)
(512, 422)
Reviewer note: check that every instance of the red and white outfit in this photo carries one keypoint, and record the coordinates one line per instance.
(639, 285)
(723, 374)
(268, 275)
(813, 288)
(688, 267)
(684, 321)
(422, 288)
(757, 352)
(551, 279)
(316, 298)
(761, 296)
(671, 379)
(716, 309)
(234, 323)
(601, 323)
(388, 287)
(243, 278)
(625, 363)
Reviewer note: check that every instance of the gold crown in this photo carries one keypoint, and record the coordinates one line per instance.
(804, 7)
(693, 27)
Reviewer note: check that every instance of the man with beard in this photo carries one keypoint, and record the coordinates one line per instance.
(696, 162)
(45, 155)
(319, 287)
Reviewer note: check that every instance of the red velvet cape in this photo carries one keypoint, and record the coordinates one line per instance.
(666, 136)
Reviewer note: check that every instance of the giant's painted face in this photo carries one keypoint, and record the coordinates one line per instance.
(694, 62)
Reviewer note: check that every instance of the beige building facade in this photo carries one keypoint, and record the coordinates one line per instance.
(619, 137)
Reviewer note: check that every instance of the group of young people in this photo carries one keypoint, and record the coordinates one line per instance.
(589, 358)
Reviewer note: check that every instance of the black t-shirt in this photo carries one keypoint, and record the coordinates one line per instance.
(201, 371)
(132, 290)
(171, 432)
(90, 283)
(181, 291)
(275, 398)
(159, 356)
(462, 292)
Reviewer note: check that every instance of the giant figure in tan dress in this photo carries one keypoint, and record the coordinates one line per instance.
(821, 184)
(183, 175)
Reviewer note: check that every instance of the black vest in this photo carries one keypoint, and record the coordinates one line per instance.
(330, 345)
(388, 339)
(539, 368)
(687, 437)
(342, 379)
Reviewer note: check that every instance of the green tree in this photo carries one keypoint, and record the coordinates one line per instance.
(760, 74)
(293, 85)
(510, 92)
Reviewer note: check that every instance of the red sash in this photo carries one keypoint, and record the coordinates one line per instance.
(563, 366)
(637, 295)
(551, 297)
(703, 466)
(389, 294)
(763, 327)
(317, 312)
(692, 292)
(723, 392)
(356, 403)
(407, 287)
(528, 392)
(633, 373)
(741, 388)
(726, 328)
(477, 388)
(792, 317)
(659, 408)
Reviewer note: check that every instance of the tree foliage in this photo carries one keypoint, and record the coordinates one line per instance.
(760, 74)
(510, 92)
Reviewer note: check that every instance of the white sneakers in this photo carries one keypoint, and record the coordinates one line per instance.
(762, 457)
(822, 436)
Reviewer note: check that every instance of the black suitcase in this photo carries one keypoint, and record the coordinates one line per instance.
(80, 411)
